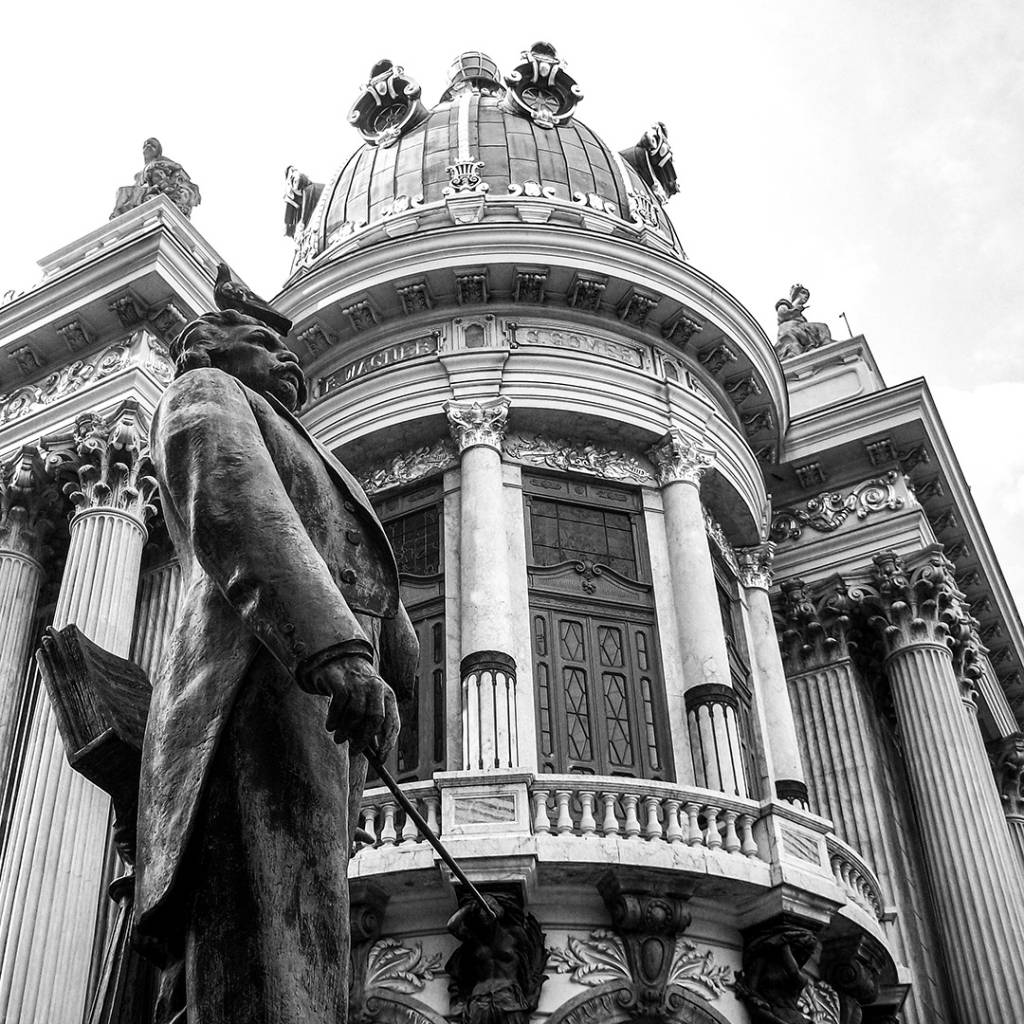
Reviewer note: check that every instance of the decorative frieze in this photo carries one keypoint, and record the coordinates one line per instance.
(65, 381)
(829, 510)
(478, 423)
(679, 456)
(578, 457)
(410, 466)
(717, 536)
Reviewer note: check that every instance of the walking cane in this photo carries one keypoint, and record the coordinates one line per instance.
(407, 805)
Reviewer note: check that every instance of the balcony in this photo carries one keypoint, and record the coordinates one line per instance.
(572, 824)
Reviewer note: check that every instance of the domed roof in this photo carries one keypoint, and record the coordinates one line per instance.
(488, 139)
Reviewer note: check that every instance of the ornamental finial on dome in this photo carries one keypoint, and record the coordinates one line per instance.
(542, 89)
(388, 106)
(473, 70)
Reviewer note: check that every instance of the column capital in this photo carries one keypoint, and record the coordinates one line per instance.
(105, 462)
(755, 563)
(478, 423)
(1008, 765)
(28, 503)
(815, 622)
(681, 456)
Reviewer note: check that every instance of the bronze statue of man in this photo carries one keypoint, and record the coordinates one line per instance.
(290, 611)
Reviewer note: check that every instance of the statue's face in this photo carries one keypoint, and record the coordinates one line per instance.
(150, 150)
(260, 359)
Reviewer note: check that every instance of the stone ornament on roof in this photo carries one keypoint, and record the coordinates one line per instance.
(796, 333)
(159, 177)
(388, 105)
(542, 89)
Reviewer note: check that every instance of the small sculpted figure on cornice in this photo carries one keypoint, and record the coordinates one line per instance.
(828, 511)
(773, 979)
(679, 456)
(478, 423)
(796, 333)
(651, 158)
(755, 564)
(1008, 763)
(28, 503)
(300, 199)
(498, 969)
(106, 462)
(159, 177)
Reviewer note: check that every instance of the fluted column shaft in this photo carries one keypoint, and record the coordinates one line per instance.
(492, 712)
(711, 702)
(787, 771)
(977, 881)
(978, 892)
(53, 864)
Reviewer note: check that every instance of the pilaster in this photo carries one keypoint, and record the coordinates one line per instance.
(681, 460)
(492, 716)
(53, 863)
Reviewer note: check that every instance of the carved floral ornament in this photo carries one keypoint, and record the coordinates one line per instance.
(828, 511)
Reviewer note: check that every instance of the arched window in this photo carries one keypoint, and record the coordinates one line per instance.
(596, 662)
(413, 521)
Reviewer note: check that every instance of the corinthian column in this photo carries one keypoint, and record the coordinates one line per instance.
(27, 504)
(490, 703)
(711, 702)
(1009, 772)
(772, 690)
(977, 881)
(53, 864)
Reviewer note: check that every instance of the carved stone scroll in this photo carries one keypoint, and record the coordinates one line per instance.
(828, 511)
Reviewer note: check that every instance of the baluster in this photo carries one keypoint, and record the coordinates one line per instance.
(564, 824)
(673, 830)
(652, 830)
(693, 833)
(748, 845)
(731, 842)
(541, 821)
(835, 862)
(371, 817)
(712, 839)
(632, 826)
(433, 802)
(610, 824)
(588, 826)
(410, 830)
(388, 835)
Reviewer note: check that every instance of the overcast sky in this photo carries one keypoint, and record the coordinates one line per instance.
(872, 150)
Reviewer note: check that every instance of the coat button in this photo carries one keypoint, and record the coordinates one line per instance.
(354, 537)
(348, 576)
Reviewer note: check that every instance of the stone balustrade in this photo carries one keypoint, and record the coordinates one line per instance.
(855, 878)
(383, 819)
(634, 809)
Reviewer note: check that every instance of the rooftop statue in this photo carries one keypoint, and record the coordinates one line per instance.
(290, 613)
(160, 176)
(796, 333)
(651, 158)
(300, 200)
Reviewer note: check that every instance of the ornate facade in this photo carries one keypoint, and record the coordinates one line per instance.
(720, 684)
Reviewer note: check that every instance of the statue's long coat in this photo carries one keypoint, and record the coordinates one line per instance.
(279, 549)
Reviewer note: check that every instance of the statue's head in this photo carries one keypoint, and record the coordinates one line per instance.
(245, 348)
(152, 150)
(799, 294)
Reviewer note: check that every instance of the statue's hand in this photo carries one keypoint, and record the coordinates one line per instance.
(363, 709)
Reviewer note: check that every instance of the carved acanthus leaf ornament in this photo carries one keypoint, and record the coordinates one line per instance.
(577, 457)
(679, 456)
(1009, 772)
(828, 511)
(815, 624)
(399, 968)
(27, 503)
(755, 565)
(478, 423)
